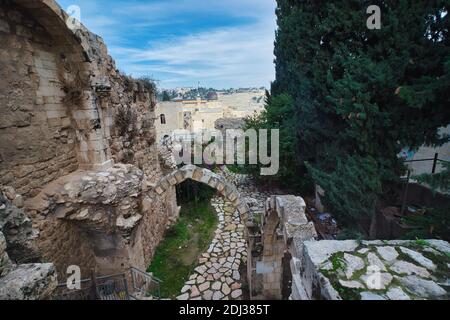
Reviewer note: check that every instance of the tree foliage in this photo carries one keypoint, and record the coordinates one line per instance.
(357, 96)
(438, 181)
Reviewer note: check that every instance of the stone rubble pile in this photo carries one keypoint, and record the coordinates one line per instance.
(217, 275)
(15, 224)
(165, 153)
(249, 192)
(96, 198)
(20, 281)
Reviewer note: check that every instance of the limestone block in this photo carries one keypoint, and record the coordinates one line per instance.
(164, 184)
(159, 190)
(213, 182)
(84, 114)
(179, 176)
(320, 251)
(197, 175)
(419, 258)
(220, 186)
(23, 31)
(52, 99)
(242, 209)
(56, 114)
(29, 282)
(172, 180)
(4, 26)
(206, 177)
(421, 287)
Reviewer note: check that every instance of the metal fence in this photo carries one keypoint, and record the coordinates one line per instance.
(145, 283)
(112, 287)
(435, 160)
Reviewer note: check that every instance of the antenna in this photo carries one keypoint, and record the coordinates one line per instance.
(198, 90)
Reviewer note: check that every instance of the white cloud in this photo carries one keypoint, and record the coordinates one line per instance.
(237, 56)
(221, 56)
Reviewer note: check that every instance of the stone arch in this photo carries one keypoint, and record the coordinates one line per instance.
(54, 19)
(203, 175)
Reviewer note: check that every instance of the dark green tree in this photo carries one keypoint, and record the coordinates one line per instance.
(165, 96)
(359, 96)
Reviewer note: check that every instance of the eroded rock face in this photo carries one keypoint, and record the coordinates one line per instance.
(107, 200)
(25, 281)
(16, 226)
(29, 282)
(5, 263)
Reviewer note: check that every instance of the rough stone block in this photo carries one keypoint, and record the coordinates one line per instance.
(4, 26)
(172, 180)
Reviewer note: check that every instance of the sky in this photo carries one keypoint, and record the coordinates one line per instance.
(219, 43)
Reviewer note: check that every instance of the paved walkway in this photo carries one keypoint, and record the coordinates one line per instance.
(217, 275)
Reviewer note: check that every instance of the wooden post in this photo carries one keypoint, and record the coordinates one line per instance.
(434, 163)
(93, 294)
(405, 193)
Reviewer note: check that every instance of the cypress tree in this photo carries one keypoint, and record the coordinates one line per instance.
(359, 96)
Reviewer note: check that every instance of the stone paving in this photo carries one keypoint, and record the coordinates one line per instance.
(249, 192)
(380, 270)
(217, 275)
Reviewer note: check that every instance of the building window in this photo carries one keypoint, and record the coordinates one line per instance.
(163, 119)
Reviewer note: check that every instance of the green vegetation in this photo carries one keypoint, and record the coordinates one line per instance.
(437, 181)
(166, 96)
(423, 243)
(148, 83)
(337, 261)
(435, 223)
(177, 254)
(348, 99)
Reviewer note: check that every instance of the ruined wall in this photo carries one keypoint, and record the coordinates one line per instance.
(67, 112)
(284, 227)
(348, 269)
(36, 137)
(20, 279)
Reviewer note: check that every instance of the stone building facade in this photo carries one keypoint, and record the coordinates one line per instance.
(77, 143)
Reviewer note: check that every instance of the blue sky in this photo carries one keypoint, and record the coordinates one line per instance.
(221, 43)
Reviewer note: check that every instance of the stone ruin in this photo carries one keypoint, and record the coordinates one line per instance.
(82, 182)
(78, 157)
(348, 269)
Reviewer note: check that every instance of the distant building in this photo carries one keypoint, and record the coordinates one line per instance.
(201, 114)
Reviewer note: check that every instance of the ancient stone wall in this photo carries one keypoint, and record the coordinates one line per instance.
(68, 113)
(20, 280)
(348, 269)
(36, 137)
(284, 227)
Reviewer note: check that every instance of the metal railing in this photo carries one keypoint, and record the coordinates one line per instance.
(112, 287)
(435, 160)
(145, 283)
